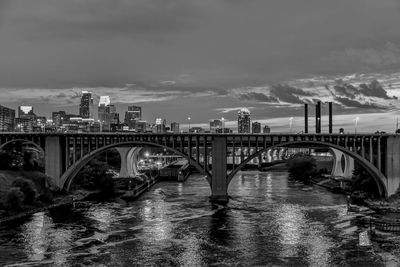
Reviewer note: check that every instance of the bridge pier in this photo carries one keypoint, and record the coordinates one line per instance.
(129, 156)
(343, 164)
(219, 183)
(54, 159)
(392, 164)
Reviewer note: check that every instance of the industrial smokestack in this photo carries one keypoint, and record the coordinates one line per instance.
(330, 118)
(305, 118)
(318, 117)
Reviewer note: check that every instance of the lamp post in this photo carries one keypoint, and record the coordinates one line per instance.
(223, 123)
(189, 124)
(290, 124)
(356, 124)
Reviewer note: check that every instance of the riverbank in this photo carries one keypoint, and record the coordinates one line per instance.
(23, 193)
(379, 218)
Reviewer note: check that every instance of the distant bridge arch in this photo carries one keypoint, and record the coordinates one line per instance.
(378, 177)
(70, 174)
(24, 141)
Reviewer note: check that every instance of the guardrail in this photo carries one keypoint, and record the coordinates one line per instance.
(386, 226)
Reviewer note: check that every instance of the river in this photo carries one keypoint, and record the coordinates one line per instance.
(269, 221)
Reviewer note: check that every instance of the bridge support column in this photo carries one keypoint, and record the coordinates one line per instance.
(392, 164)
(129, 157)
(53, 159)
(343, 164)
(219, 183)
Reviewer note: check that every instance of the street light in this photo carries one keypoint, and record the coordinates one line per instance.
(223, 122)
(356, 124)
(290, 124)
(189, 124)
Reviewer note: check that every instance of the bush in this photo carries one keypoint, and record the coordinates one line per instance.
(15, 198)
(302, 167)
(28, 188)
(95, 176)
(362, 181)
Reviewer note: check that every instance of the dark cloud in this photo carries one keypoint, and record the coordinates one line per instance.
(286, 93)
(258, 97)
(374, 89)
(354, 103)
(346, 90)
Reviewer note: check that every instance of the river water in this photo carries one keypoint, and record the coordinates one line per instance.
(269, 221)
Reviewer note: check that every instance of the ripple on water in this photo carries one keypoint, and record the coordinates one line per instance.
(269, 221)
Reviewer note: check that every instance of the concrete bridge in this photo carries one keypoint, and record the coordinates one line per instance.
(67, 154)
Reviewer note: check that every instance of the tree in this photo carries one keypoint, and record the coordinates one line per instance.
(96, 176)
(362, 181)
(28, 188)
(302, 167)
(15, 198)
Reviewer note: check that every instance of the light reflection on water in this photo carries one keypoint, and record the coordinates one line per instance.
(268, 221)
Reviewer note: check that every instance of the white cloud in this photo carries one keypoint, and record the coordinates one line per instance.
(227, 110)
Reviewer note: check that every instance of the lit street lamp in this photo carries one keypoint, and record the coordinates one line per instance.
(356, 124)
(290, 124)
(189, 124)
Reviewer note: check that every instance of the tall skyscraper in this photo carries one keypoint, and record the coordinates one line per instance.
(108, 115)
(26, 119)
(7, 119)
(114, 118)
(175, 127)
(86, 106)
(244, 121)
(104, 113)
(256, 127)
(132, 116)
(160, 125)
(58, 118)
(26, 112)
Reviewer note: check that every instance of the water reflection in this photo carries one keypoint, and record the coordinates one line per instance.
(268, 222)
(35, 236)
(41, 241)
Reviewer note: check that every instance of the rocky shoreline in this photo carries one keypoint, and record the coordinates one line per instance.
(67, 201)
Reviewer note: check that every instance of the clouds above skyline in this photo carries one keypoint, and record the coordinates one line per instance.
(201, 57)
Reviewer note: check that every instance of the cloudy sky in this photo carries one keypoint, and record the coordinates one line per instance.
(205, 58)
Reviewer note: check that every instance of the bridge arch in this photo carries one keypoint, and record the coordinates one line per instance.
(379, 178)
(69, 175)
(37, 146)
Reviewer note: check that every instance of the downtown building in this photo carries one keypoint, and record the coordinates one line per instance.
(86, 105)
(7, 119)
(108, 115)
(160, 126)
(256, 127)
(175, 128)
(26, 119)
(133, 118)
(244, 121)
(58, 118)
(215, 125)
(266, 129)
